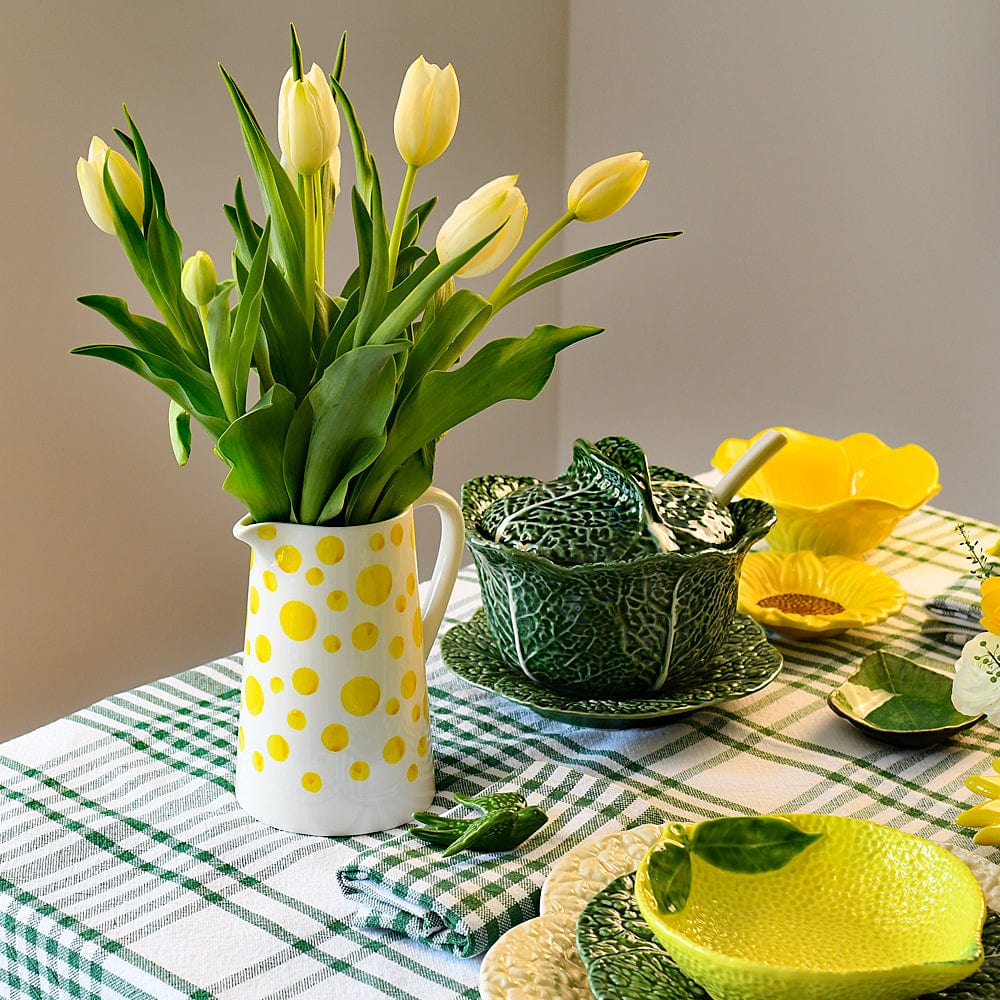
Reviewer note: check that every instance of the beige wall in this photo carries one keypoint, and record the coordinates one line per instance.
(118, 567)
(835, 167)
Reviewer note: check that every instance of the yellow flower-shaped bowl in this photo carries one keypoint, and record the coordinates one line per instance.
(836, 497)
(802, 595)
(865, 912)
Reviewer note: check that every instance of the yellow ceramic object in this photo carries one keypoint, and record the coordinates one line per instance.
(836, 497)
(986, 816)
(805, 596)
(864, 913)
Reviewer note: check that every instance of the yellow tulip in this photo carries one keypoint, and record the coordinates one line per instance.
(426, 113)
(308, 122)
(990, 590)
(90, 176)
(498, 203)
(605, 187)
(198, 279)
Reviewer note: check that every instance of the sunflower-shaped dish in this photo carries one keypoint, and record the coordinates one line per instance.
(801, 595)
(836, 497)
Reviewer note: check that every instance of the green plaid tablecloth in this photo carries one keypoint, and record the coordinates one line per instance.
(128, 871)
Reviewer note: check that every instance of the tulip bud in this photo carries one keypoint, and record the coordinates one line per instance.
(605, 187)
(426, 113)
(308, 123)
(198, 279)
(497, 203)
(90, 176)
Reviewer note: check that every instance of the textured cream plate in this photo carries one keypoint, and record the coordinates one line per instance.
(538, 960)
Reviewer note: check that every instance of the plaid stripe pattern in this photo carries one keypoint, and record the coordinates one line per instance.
(954, 614)
(128, 871)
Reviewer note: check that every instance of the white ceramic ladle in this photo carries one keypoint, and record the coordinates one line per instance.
(766, 446)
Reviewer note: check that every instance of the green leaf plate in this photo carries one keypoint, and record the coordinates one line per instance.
(897, 701)
(624, 961)
(745, 663)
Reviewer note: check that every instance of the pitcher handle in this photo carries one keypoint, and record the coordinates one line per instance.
(448, 560)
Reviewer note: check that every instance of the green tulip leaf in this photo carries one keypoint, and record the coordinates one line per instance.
(670, 875)
(363, 161)
(246, 321)
(199, 396)
(339, 429)
(440, 344)
(509, 368)
(575, 262)
(281, 200)
(415, 222)
(749, 844)
(376, 281)
(402, 315)
(253, 447)
(142, 332)
(179, 423)
(408, 482)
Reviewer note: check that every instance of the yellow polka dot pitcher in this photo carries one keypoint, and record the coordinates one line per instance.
(334, 732)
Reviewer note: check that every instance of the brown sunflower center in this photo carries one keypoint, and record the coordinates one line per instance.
(801, 604)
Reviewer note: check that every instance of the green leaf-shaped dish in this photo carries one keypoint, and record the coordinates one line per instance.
(624, 960)
(897, 701)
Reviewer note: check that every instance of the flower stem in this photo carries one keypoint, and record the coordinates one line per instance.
(397, 226)
(496, 297)
(309, 291)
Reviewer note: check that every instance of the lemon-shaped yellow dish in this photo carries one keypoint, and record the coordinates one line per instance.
(802, 595)
(836, 497)
(863, 912)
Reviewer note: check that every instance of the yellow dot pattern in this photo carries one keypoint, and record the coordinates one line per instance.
(394, 749)
(365, 636)
(277, 747)
(288, 558)
(335, 737)
(335, 617)
(375, 584)
(360, 695)
(305, 680)
(330, 550)
(408, 685)
(298, 620)
(254, 695)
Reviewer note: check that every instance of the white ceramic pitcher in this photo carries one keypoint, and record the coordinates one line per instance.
(334, 733)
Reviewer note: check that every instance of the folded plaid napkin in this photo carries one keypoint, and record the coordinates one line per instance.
(464, 903)
(955, 612)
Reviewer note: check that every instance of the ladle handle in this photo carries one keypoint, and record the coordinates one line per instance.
(768, 444)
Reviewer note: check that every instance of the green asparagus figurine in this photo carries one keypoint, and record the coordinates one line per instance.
(507, 822)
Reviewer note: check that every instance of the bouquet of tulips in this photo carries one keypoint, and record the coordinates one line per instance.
(351, 391)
